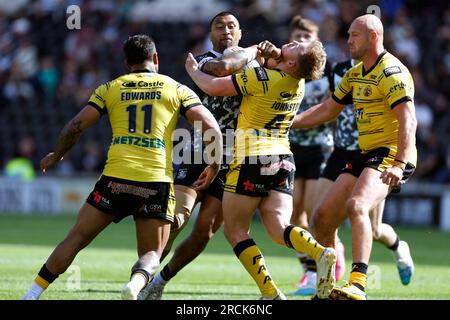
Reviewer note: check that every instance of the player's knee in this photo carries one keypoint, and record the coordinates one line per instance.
(356, 207)
(319, 219)
(376, 233)
(202, 234)
(181, 218)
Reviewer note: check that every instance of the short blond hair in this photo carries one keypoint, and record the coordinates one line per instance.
(311, 63)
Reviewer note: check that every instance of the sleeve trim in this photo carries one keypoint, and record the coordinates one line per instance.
(184, 109)
(343, 100)
(102, 111)
(236, 85)
(404, 99)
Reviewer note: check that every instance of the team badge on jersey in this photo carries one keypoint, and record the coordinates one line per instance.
(367, 91)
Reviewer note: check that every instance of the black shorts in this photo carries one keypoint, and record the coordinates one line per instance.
(378, 159)
(122, 198)
(187, 174)
(308, 161)
(337, 162)
(255, 178)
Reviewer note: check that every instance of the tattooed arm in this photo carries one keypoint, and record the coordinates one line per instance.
(230, 62)
(70, 135)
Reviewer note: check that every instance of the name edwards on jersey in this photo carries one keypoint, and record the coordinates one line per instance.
(139, 95)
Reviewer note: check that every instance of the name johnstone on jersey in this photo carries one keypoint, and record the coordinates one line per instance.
(281, 106)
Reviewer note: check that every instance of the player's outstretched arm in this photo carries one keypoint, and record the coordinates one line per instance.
(212, 136)
(320, 113)
(213, 86)
(233, 59)
(70, 135)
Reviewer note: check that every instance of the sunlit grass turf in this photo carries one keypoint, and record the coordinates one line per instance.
(104, 266)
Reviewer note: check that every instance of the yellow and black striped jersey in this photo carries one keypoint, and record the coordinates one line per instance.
(143, 108)
(374, 93)
(270, 101)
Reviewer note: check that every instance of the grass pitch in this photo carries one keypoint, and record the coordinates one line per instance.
(100, 270)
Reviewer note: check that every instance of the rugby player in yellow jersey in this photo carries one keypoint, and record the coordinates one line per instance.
(382, 90)
(143, 108)
(262, 172)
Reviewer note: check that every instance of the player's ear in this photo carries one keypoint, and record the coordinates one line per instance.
(239, 34)
(126, 63)
(155, 59)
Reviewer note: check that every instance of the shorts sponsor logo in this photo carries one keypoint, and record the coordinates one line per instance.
(153, 208)
(117, 188)
(97, 197)
(182, 173)
(248, 186)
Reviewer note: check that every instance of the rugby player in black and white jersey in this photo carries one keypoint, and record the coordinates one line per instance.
(310, 148)
(225, 58)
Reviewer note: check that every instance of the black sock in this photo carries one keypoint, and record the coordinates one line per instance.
(47, 275)
(359, 267)
(395, 245)
(166, 274)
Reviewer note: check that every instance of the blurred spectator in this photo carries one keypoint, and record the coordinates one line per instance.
(48, 78)
(92, 160)
(42, 61)
(21, 165)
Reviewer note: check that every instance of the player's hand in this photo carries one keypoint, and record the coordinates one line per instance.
(268, 50)
(206, 177)
(191, 65)
(49, 160)
(392, 176)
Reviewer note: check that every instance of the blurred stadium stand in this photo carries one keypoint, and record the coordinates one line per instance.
(47, 71)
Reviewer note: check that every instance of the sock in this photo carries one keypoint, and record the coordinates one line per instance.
(394, 247)
(302, 241)
(311, 265)
(358, 276)
(253, 261)
(158, 279)
(166, 274)
(41, 282)
(139, 279)
(302, 258)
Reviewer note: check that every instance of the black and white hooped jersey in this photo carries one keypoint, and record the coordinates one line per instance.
(315, 92)
(346, 132)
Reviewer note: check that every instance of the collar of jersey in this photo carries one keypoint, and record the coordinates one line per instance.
(217, 54)
(143, 70)
(364, 73)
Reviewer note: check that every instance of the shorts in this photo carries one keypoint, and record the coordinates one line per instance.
(122, 198)
(337, 162)
(378, 159)
(255, 178)
(308, 161)
(187, 174)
